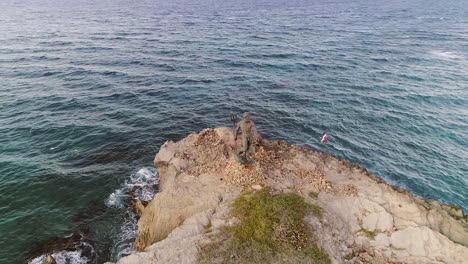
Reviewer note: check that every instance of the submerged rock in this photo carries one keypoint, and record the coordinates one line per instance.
(363, 218)
(66, 243)
(73, 248)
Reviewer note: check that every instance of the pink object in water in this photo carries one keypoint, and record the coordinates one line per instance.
(324, 138)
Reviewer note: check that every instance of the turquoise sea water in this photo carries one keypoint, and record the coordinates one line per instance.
(89, 90)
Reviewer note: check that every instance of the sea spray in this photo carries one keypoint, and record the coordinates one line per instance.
(68, 257)
(141, 186)
(71, 249)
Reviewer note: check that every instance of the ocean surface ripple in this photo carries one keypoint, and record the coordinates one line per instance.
(89, 90)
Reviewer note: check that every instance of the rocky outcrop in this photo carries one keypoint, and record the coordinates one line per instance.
(49, 260)
(364, 218)
(188, 184)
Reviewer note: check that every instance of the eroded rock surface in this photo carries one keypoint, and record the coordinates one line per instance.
(364, 218)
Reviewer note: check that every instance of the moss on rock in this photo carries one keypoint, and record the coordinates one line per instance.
(271, 230)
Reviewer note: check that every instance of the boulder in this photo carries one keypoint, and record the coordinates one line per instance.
(49, 260)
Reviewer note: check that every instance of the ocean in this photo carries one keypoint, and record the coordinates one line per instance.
(89, 90)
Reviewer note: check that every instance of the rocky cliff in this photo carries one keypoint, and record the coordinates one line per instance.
(362, 219)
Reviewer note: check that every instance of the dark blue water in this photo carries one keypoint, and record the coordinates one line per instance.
(89, 90)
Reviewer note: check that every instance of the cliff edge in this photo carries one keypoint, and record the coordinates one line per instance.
(362, 219)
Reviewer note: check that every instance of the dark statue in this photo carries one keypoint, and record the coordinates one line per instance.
(249, 136)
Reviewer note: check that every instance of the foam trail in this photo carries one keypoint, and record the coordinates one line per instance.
(142, 185)
(446, 54)
(63, 257)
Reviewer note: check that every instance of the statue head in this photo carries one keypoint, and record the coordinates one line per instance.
(246, 116)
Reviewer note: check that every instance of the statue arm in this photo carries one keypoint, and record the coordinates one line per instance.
(255, 133)
(236, 131)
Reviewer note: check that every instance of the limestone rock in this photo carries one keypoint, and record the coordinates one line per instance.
(424, 242)
(137, 207)
(183, 193)
(49, 260)
(171, 207)
(256, 187)
(381, 221)
(376, 222)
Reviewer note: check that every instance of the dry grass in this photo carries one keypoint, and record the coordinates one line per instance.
(207, 227)
(271, 230)
(313, 195)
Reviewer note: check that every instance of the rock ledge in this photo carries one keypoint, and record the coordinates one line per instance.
(364, 218)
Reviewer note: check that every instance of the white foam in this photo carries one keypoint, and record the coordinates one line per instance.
(142, 183)
(127, 234)
(116, 199)
(63, 257)
(446, 54)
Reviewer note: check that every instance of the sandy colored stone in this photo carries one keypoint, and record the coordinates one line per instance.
(424, 242)
(199, 178)
(138, 207)
(378, 221)
(49, 260)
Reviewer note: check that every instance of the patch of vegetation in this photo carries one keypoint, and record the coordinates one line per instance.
(395, 248)
(207, 227)
(316, 210)
(350, 255)
(317, 254)
(358, 261)
(271, 229)
(313, 195)
(368, 233)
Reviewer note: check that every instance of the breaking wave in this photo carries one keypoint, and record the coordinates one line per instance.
(64, 257)
(140, 186)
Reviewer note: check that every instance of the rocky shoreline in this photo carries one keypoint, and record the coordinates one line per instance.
(363, 219)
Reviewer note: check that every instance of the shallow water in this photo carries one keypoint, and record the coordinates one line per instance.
(89, 90)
